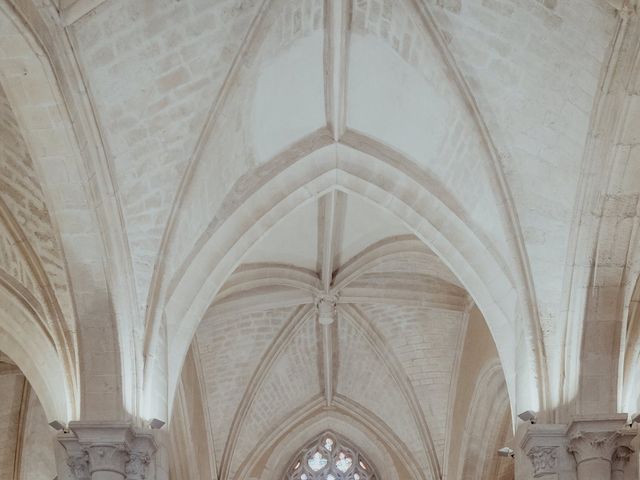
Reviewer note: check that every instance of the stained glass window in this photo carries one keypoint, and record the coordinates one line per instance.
(329, 457)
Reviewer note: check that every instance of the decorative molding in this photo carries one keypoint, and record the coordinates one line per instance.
(79, 465)
(22, 425)
(587, 445)
(387, 249)
(249, 276)
(596, 442)
(136, 466)
(107, 457)
(621, 457)
(9, 369)
(337, 23)
(77, 10)
(543, 459)
(326, 307)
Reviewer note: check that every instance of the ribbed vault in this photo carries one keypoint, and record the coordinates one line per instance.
(266, 219)
(390, 347)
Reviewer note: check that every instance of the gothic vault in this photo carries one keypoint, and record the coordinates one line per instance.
(319, 239)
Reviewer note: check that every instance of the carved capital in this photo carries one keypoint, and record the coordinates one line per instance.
(108, 447)
(620, 458)
(544, 459)
(587, 446)
(136, 467)
(79, 465)
(108, 457)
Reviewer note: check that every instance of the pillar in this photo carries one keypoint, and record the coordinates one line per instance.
(586, 449)
(620, 460)
(594, 442)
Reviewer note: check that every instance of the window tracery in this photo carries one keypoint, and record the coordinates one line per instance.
(328, 457)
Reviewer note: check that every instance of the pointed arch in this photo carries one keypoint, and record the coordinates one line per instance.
(28, 345)
(630, 352)
(348, 419)
(329, 452)
(62, 136)
(384, 251)
(311, 167)
(488, 404)
(40, 297)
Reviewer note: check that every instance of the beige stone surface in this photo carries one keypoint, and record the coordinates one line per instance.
(11, 394)
(403, 221)
(38, 460)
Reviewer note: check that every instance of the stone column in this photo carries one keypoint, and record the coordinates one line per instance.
(620, 460)
(594, 444)
(108, 451)
(586, 449)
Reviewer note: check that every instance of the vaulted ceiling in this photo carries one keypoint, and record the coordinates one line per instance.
(389, 340)
(315, 202)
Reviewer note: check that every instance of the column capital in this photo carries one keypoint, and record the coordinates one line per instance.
(107, 457)
(79, 465)
(543, 444)
(599, 438)
(77, 456)
(620, 458)
(108, 447)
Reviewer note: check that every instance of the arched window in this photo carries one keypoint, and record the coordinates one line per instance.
(329, 457)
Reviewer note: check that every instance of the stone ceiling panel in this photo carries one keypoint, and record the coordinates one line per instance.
(426, 343)
(291, 383)
(249, 129)
(154, 69)
(365, 224)
(231, 348)
(293, 241)
(21, 191)
(364, 378)
(396, 71)
(534, 68)
(432, 267)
